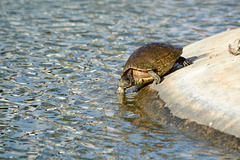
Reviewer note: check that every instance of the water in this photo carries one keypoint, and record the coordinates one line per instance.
(59, 64)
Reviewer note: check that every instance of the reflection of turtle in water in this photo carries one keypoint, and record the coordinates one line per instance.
(148, 63)
(234, 48)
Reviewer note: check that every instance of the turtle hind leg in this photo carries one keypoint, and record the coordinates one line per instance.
(183, 61)
(156, 77)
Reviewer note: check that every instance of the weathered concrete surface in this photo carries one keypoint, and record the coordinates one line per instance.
(208, 91)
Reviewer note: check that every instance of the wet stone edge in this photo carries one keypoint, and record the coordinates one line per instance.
(152, 107)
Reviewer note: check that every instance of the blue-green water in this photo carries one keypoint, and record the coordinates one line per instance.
(59, 62)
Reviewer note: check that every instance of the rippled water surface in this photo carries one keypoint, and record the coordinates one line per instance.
(59, 62)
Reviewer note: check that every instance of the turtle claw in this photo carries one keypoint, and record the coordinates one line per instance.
(183, 61)
(186, 62)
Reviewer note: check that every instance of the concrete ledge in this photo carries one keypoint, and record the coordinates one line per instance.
(208, 91)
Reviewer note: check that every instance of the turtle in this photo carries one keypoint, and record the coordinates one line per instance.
(149, 63)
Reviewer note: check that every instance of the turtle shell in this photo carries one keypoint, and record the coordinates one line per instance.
(158, 57)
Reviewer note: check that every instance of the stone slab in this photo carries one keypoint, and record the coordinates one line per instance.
(208, 91)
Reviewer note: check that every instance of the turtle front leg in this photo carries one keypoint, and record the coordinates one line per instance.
(183, 61)
(156, 77)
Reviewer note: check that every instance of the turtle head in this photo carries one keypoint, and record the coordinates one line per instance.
(124, 83)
